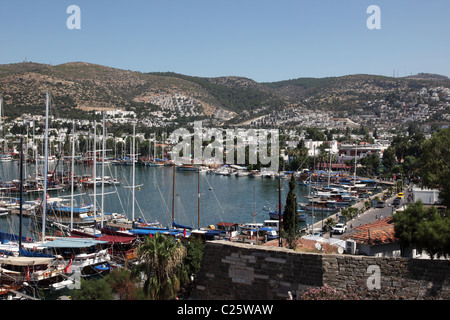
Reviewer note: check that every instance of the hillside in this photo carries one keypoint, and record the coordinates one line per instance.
(78, 87)
(347, 92)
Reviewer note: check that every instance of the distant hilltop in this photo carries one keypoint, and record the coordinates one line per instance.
(428, 76)
(79, 87)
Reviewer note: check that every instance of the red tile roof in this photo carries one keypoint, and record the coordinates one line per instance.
(378, 232)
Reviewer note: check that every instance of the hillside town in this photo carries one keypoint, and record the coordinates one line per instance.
(361, 172)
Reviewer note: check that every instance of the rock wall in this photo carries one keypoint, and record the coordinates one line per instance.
(238, 271)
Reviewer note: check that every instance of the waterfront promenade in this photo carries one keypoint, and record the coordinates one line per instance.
(368, 216)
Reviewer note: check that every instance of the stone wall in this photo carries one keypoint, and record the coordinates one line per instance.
(238, 271)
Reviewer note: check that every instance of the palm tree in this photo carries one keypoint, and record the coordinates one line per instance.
(162, 263)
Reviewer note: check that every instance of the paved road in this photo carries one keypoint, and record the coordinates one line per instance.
(371, 215)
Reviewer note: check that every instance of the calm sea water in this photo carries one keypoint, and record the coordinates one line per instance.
(223, 198)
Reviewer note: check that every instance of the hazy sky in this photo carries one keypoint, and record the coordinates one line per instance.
(259, 39)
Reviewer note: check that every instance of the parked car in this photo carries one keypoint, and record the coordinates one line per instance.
(400, 195)
(381, 204)
(396, 202)
(339, 228)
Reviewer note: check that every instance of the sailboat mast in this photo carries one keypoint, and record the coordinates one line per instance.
(356, 154)
(173, 193)
(1, 125)
(45, 171)
(95, 172)
(103, 169)
(132, 159)
(72, 173)
(154, 147)
(280, 221)
(21, 194)
(198, 192)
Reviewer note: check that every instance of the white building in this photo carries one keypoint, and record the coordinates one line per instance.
(427, 196)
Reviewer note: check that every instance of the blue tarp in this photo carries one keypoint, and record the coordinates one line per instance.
(6, 237)
(68, 209)
(148, 231)
(176, 225)
(26, 253)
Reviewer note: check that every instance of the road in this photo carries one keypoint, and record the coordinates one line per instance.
(370, 215)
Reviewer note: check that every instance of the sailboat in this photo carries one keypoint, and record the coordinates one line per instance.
(18, 266)
(4, 157)
(155, 162)
(78, 253)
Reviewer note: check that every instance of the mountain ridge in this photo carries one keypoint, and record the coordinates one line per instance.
(86, 86)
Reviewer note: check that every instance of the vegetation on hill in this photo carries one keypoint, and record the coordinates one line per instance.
(78, 87)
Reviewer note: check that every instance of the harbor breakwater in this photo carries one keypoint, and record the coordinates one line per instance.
(239, 271)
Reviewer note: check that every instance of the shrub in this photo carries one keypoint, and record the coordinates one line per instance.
(325, 293)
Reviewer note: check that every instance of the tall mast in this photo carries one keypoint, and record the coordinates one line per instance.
(95, 172)
(198, 192)
(21, 194)
(356, 154)
(132, 159)
(103, 170)
(173, 193)
(45, 171)
(72, 173)
(1, 122)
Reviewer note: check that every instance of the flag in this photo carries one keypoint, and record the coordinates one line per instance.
(150, 234)
(67, 269)
(184, 233)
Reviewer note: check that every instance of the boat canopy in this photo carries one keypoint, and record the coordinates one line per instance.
(25, 261)
(117, 239)
(72, 243)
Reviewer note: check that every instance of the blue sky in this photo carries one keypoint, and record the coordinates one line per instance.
(259, 39)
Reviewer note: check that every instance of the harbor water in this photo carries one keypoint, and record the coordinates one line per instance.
(222, 198)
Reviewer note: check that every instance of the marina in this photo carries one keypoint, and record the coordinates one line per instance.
(226, 198)
(48, 236)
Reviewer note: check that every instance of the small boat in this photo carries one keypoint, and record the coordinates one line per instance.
(40, 271)
(3, 212)
(187, 167)
(6, 158)
(249, 226)
(242, 173)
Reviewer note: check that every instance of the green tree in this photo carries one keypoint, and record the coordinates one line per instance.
(290, 215)
(435, 164)
(162, 260)
(406, 223)
(194, 256)
(315, 134)
(94, 289)
(433, 234)
(389, 160)
(122, 283)
(423, 228)
(329, 224)
(371, 163)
